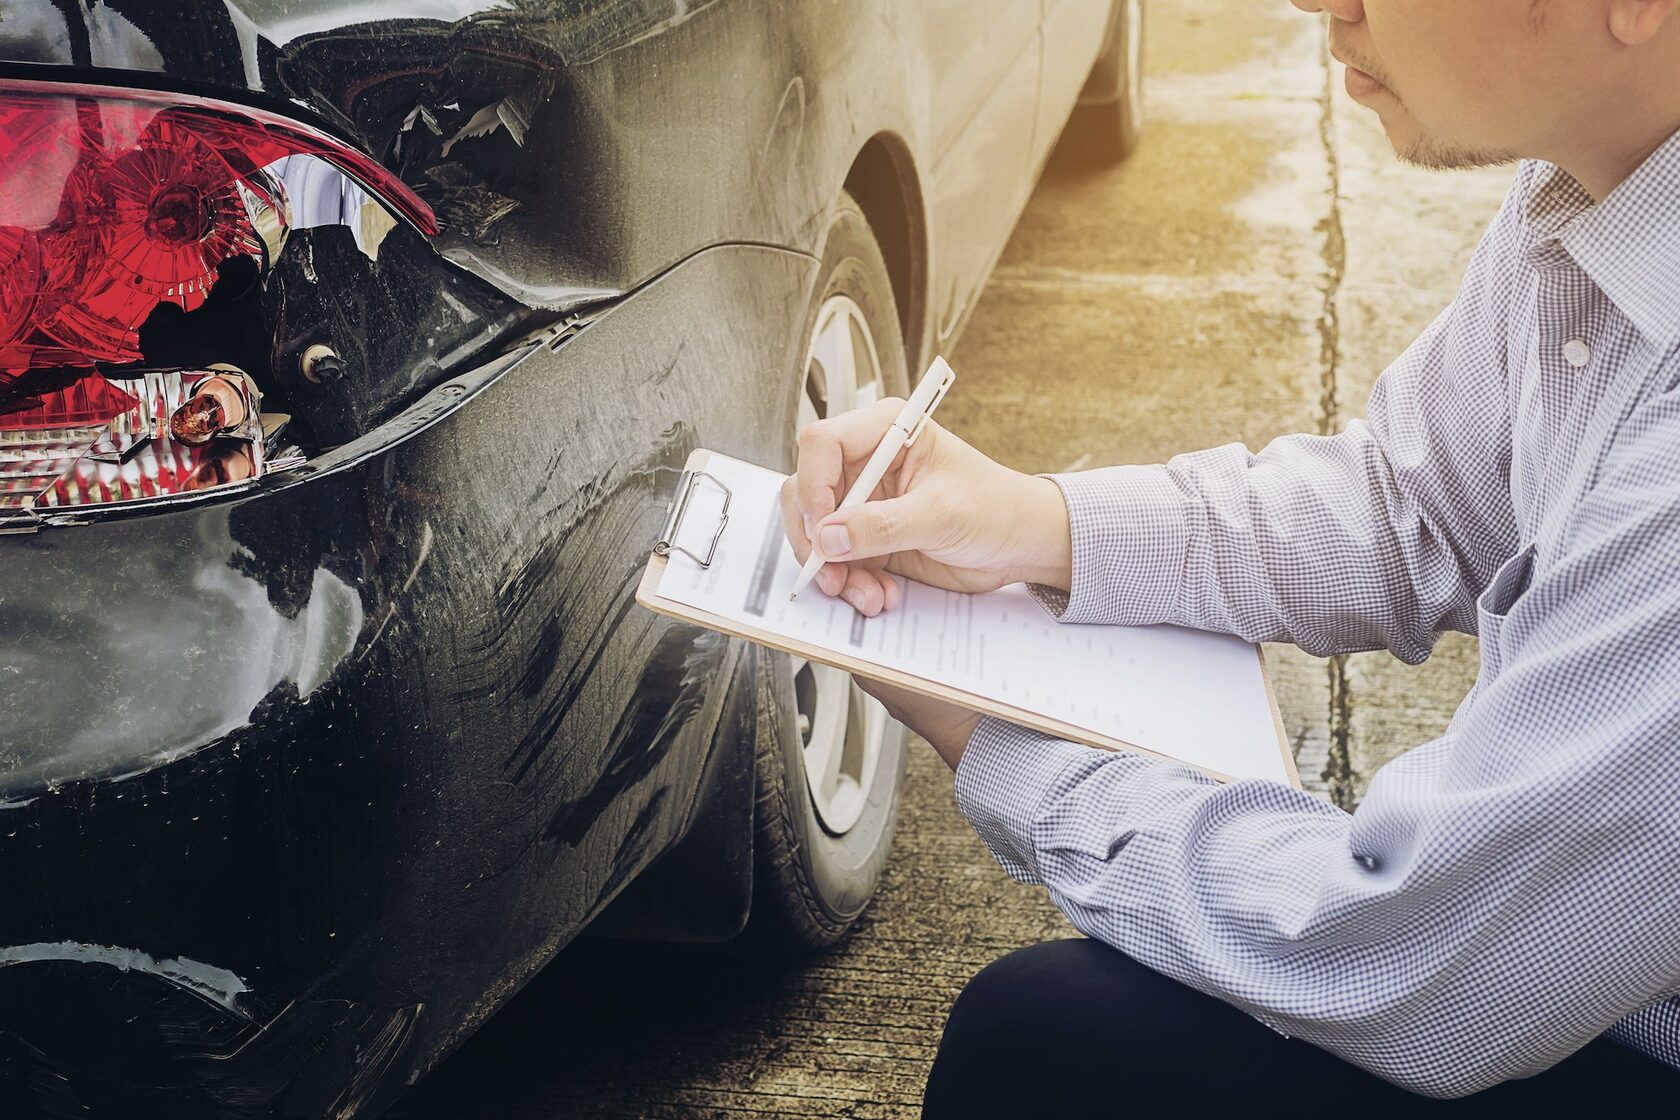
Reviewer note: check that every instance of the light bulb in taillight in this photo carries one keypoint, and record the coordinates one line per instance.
(217, 405)
(94, 442)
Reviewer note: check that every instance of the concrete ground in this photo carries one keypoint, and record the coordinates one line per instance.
(1247, 274)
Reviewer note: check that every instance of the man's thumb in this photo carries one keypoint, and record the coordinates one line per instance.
(874, 529)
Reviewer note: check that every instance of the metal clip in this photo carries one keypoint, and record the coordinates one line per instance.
(667, 542)
(921, 421)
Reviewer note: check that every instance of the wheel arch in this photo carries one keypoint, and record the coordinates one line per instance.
(1095, 88)
(883, 180)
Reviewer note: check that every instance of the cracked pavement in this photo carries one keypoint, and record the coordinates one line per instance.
(1248, 274)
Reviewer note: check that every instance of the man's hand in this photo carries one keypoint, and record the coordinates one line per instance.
(945, 515)
(945, 726)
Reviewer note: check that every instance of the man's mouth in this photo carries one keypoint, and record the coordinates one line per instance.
(1361, 85)
(1361, 82)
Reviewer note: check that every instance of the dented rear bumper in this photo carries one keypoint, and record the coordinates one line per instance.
(299, 786)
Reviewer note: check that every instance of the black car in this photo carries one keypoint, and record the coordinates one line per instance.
(350, 353)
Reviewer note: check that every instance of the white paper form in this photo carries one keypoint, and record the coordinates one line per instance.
(1191, 695)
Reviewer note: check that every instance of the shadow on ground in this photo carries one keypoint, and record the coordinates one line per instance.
(597, 1006)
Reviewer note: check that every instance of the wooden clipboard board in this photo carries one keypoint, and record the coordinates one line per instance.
(647, 594)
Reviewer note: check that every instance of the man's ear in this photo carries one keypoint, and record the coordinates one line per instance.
(1635, 22)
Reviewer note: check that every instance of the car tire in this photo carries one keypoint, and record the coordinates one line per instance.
(810, 882)
(1107, 123)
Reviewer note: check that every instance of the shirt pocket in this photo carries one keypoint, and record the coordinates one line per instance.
(1508, 585)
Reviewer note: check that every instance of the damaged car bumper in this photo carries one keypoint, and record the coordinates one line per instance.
(302, 779)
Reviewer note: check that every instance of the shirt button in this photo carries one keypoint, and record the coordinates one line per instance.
(1577, 353)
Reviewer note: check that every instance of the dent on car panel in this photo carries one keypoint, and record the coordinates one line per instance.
(526, 128)
(415, 805)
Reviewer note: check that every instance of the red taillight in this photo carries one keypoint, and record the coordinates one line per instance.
(115, 201)
(20, 266)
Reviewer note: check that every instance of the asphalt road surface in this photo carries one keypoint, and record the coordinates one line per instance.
(1247, 274)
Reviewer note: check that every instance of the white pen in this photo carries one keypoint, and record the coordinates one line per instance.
(911, 420)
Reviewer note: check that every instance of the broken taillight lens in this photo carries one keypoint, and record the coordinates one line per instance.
(114, 203)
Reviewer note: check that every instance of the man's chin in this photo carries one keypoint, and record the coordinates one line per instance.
(1418, 148)
(1432, 155)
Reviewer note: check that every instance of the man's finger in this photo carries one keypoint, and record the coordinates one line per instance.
(794, 522)
(893, 588)
(826, 447)
(878, 528)
(891, 591)
(831, 578)
(864, 590)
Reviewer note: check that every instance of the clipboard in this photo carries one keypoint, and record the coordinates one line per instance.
(695, 475)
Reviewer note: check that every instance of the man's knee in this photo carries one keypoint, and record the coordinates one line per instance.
(1015, 994)
(1034, 1011)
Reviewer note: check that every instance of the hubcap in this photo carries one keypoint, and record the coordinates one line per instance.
(841, 727)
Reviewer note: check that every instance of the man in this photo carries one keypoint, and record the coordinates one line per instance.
(1500, 919)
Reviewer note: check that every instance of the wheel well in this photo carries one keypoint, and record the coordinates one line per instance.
(1102, 83)
(883, 181)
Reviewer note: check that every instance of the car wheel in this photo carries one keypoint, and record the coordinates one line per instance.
(1108, 121)
(830, 760)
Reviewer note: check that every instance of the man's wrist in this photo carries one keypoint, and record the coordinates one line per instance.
(951, 740)
(1047, 537)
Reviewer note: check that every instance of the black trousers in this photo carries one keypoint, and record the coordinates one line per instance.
(1076, 1029)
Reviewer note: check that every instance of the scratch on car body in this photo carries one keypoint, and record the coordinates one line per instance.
(682, 663)
(208, 982)
(414, 573)
(377, 1059)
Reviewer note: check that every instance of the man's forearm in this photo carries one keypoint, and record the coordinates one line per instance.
(1313, 541)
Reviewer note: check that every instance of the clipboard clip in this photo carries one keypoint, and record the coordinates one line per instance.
(667, 542)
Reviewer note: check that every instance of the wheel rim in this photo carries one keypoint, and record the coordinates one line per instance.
(841, 728)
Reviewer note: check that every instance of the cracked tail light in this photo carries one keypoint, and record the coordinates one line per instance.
(113, 203)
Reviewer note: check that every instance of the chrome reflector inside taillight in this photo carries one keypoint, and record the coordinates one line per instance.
(99, 442)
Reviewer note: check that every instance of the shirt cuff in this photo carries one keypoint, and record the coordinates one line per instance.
(1130, 534)
(1004, 776)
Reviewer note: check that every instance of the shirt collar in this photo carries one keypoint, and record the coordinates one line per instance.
(1628, 244)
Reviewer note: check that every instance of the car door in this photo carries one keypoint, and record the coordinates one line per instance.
(982, 109)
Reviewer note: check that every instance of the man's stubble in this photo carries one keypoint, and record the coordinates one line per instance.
(1435, 155)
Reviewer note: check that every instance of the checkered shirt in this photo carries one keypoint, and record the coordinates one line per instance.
(1511, 890)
